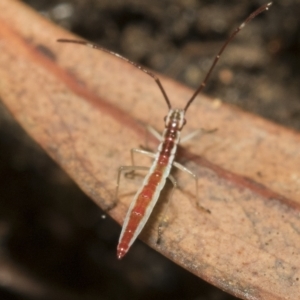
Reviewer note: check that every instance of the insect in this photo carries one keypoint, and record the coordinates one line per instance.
(148, 194)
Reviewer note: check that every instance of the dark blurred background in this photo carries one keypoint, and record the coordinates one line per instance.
(53, 239)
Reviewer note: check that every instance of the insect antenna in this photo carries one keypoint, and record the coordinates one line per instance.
(231, 37)
(91, 45)
(203, 84)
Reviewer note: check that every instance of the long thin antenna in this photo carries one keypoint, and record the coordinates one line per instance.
(203, 84)
(125, 59)
(231, 37)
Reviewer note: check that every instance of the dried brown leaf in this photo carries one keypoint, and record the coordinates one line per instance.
(86, 109)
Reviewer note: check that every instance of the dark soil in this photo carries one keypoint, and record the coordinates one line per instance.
(49, 228)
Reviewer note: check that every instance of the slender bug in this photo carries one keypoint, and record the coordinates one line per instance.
(148, 194)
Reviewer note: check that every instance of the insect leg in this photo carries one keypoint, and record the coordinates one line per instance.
(154, 132)
(125, 169)
(195, 133)
(137, 150)
(184, 169)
